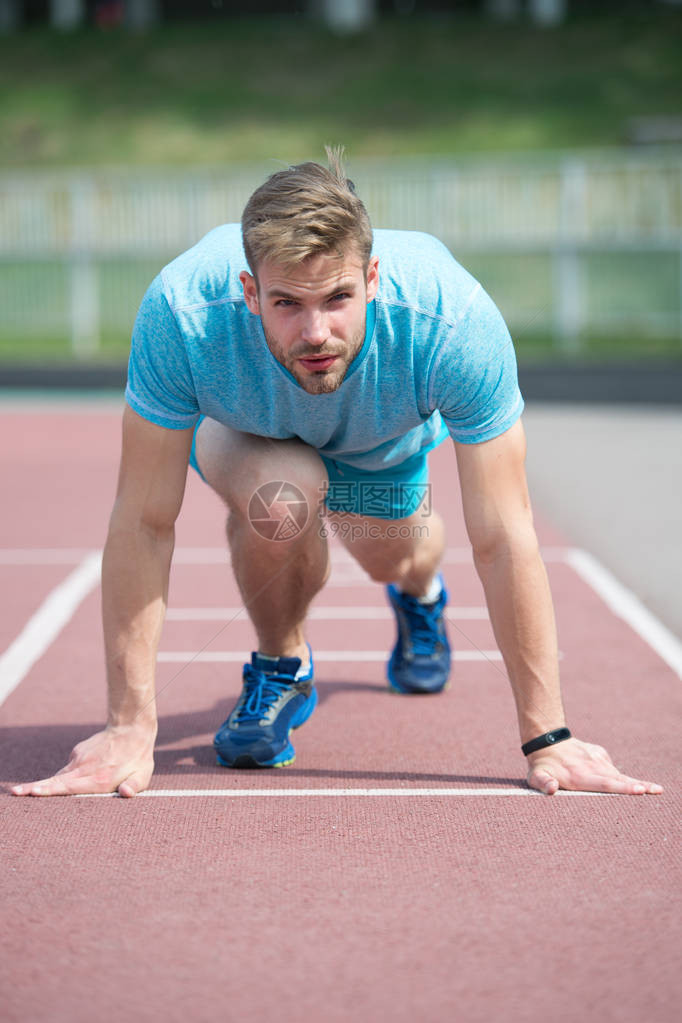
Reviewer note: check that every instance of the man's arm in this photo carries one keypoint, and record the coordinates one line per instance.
(500, 526)
(135, 572)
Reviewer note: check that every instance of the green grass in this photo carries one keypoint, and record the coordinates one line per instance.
(264, 88)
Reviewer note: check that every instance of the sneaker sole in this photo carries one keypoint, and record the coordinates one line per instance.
(395, 687)
(282, 759)
(416, 692)
(246, 762)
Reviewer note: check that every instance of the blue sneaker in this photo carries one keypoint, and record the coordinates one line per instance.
(420, 661)
(274, 701)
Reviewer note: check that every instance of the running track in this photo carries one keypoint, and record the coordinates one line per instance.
(400, 870)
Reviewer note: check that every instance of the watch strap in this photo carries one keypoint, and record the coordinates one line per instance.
(548, 739)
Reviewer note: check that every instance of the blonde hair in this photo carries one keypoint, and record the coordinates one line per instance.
(305, 211)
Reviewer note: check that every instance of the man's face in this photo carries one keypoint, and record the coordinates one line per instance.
(314, 315)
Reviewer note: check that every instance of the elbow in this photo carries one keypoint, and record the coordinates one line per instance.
(154, 528)
(162, 533)
(504, 545)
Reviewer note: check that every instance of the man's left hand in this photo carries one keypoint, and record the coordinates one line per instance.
(581, 767)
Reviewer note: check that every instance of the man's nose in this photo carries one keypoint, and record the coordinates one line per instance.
(315, 330)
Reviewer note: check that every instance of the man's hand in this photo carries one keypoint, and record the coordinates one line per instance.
(118, 758)
(581, 767)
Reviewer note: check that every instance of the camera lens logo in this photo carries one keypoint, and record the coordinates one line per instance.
(278, 510)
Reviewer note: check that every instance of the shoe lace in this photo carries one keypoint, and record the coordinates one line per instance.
(424, 632)
(261, 692)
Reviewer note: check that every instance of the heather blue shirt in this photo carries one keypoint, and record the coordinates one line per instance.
(437, 357)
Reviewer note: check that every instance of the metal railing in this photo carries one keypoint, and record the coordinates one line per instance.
(566, 244)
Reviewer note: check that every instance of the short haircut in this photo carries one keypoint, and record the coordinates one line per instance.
(304, 211)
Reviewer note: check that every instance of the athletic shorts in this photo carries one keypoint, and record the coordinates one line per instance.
(393, 493)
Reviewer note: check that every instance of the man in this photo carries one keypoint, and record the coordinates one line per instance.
(307, 350)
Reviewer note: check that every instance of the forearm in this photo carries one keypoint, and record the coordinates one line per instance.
(135, 573)
(522, 616)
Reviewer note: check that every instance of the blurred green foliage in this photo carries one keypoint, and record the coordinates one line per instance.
(247, 89)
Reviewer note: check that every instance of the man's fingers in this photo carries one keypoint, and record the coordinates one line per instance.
(616, 784)
(543, 781)
(45, 787)
(133, 784)
(61, 785)
(621, 783)
(75, 785)
(65, 784)
(113, 758)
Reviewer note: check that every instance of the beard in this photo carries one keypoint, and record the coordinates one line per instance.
(323, 381)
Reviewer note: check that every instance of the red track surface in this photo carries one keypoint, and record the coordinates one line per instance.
(330, 908)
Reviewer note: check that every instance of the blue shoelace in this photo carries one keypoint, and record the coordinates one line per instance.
(262, 692)
(424, 632)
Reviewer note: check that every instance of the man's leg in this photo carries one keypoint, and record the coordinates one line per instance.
(405, 554)
(264, 484)
(277, 578)
(402, 551)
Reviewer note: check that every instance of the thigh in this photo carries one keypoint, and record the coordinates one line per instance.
(384, 518)
(376, 543)
(237, 464)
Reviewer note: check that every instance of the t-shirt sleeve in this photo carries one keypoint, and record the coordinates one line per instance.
(160, 386)
(473, 378)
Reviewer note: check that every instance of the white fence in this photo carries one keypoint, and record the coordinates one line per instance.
(567, 245)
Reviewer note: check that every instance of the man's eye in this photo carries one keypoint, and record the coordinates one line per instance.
(285, 302)
(340, 297)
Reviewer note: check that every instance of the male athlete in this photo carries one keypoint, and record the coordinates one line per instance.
(302, 347)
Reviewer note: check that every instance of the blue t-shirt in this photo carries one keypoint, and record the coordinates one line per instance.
(437, 354)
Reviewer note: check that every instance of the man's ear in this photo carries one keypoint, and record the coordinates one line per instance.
(372, 278)
(250, 287)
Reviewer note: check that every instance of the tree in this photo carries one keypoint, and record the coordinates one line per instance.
(344, 15)
(11, 12)
(67, 14)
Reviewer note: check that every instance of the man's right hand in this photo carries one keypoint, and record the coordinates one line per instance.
(118, 758)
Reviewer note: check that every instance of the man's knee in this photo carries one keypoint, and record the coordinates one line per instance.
(243, 468)
(387, 570)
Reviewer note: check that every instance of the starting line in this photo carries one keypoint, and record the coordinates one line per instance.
(267, 793)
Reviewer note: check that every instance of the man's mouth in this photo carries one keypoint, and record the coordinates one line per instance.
(318, 363)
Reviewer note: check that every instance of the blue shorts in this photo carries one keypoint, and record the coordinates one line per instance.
(392, 493)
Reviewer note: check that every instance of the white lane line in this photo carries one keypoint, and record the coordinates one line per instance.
(624, 604)
(43, 555)
(219, 556)
(44, 626)
(617, 597)
(266, 793)
(340, 556)
(201, 556)
(320, 656)
(348, 580)
(323, 613)
(74, 555)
